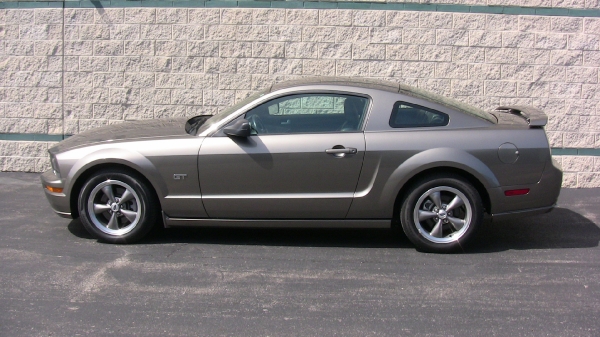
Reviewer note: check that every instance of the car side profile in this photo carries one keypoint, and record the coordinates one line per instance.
(323, 152)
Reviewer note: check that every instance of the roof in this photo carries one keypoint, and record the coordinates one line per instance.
(342, 81)
(385, 86)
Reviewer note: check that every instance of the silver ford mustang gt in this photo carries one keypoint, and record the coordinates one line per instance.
(325, 152)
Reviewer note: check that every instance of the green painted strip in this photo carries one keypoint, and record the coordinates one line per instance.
(588, 152)
(94, 4)
(34, 137)
(519, 11)
(354, 5)
(420, 7)
(563, 152)
(575, 152)
(487, 9)
(258, 4)
(37, 4)
(72, 4)
(388, 6)
(323, 4)
(320, 5)
(9, 5)
(221, 4)
(453, 8)
(584, 12)
(181, 4)
(126, 3)
(160, 3)
(284, 4)
(552, 11)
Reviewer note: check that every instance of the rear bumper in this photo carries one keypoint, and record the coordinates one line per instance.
(541, 198)
(59, 201)
(521, 213)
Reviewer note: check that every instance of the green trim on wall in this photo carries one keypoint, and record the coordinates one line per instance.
(32, 137)
(35, 137)
(398, 6)
(575, 152)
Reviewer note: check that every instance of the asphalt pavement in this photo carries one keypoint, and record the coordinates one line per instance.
(537, 276)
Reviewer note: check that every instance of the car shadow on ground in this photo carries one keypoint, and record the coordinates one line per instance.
(561, 228)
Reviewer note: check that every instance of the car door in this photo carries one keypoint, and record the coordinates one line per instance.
(303, 160)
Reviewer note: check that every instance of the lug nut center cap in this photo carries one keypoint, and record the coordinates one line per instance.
(114, 207)
(442, 214)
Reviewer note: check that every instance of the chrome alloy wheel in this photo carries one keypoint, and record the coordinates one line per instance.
(114, 207)
(442, 214)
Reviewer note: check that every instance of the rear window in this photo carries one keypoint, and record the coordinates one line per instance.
(449, 102)
(407, 115)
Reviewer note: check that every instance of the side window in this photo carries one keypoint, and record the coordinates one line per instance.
(407, 115)
(309, 113)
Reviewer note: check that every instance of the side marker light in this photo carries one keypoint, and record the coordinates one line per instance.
(512, 193)
(54, 189)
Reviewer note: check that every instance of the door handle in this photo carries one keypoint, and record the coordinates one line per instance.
(347, 150)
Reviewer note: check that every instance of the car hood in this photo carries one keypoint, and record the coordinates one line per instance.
(157, 128)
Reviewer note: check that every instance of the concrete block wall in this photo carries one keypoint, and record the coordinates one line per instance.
(67, 70)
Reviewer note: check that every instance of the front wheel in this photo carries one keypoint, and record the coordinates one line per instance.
(117, 207)
(441, 214)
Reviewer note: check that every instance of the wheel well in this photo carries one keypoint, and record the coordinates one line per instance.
(485, 198)
(78, 185)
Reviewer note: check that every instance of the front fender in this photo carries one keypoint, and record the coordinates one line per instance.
(119, 156)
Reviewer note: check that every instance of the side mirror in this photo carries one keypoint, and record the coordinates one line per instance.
(240, 128)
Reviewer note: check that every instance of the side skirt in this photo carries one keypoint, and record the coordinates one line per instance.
(320, 223)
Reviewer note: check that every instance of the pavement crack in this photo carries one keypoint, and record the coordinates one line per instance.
(94, 282)
(178, 248)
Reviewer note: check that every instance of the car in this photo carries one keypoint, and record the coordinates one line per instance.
(316, 152)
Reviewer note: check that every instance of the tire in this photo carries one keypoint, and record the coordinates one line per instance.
(441, 214)
(107, 216)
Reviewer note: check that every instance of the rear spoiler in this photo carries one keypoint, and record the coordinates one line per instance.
(535, 117)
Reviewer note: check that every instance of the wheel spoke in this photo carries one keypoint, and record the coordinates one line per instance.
(456, 223)
(101, 208)
(130, 215)
(424, 215)
(456, 202)
(125, 197)
(113, 223)
(436, 198)
(109, 193)
(437, 230)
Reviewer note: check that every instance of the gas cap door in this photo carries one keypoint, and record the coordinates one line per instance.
(508, 153)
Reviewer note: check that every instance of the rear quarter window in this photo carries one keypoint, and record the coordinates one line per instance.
(408, 115)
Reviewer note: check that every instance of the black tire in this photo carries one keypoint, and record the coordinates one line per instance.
(117, 220)
(436, 224)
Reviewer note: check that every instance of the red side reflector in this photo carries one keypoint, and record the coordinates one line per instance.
(512, 193)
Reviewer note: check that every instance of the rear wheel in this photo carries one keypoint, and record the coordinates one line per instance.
(116, 207)
(441, 214)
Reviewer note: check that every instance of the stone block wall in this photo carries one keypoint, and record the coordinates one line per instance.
(66, 70)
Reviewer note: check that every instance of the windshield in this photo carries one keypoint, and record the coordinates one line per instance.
(449, 102)
(228, 111)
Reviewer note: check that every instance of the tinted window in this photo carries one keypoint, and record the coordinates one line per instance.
(309, 113)
(407, 115)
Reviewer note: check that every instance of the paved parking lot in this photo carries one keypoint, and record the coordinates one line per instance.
(532, 277)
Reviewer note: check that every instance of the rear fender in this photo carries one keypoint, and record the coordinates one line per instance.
(435, 158)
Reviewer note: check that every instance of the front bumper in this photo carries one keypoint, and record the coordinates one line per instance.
(59, 201)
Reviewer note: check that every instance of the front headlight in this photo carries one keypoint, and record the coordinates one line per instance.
(54, 164)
